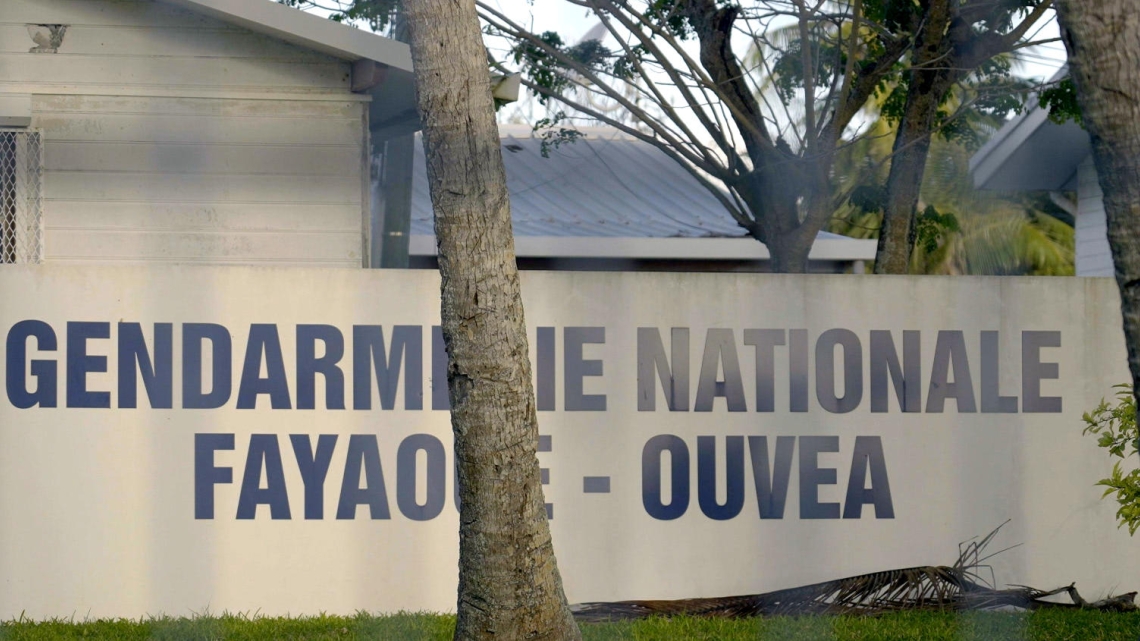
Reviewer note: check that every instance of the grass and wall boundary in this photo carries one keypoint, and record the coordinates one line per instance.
(1050, 625)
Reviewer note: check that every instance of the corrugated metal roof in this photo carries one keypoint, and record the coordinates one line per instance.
(603, 185)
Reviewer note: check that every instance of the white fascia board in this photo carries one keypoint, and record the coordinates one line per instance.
(304, 29)
(990, 158)
(844, 249)
(15, 110)
(996, 152)
(663, 248)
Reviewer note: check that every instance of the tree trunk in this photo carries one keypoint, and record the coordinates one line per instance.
(787, 256)
(912, 142)
(904, 184)
(773, 196)
(1103, 41)
(509, 585)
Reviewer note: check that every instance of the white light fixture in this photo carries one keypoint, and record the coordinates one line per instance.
(505, 87)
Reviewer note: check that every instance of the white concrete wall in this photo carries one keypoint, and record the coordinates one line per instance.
(170, 137)
(1093, 255)
(98, 501)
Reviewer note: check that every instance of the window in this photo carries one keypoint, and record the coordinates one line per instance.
(21, 196)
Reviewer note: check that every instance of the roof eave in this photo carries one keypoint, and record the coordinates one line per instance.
(1034, 154)
(1030, 153)
(306, 30)
(988, 160)
(393, 111)
(824, 249)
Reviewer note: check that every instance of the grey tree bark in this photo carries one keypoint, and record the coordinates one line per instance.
(947, 50)
(509, 585)
(1103, 41)
(912, 143)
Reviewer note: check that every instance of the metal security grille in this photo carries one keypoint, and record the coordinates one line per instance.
(21, 196)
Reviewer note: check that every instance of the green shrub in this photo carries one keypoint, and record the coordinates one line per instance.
(1116, 431)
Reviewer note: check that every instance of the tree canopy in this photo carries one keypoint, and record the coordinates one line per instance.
(761, 129)
(755, 98)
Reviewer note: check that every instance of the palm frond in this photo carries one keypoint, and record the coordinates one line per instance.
(960, 586)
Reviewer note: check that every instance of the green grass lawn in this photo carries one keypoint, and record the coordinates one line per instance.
(1053, 625)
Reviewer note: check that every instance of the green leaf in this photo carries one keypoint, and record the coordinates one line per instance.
(1117, 433)
(869, 198)
(553, 135)
(931, 226)
(1061, 101)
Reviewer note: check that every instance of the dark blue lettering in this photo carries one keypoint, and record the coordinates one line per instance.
(720, 354)
(798, 370)
(868, 453)
(308, 366)
(1033, 371)
(368, 352)
(651, 477)
(157, 374)
(734, 477)
(263, 454)
(765, 342)
(544, 369)
(577, 368)
(992, 400)
(825, 370)
(314, 469)
(950, 353)
(363, 452)
(263, 339)
(80, 364)
(812, 476)
(674, 377)
(206, 474)
(905, 377)
(221, 366)
(771, 487)
(406, 477)
(43, 371)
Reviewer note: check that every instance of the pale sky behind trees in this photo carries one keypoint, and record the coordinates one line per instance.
(572, 22)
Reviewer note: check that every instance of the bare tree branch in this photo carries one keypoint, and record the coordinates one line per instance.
(500, 21)
(809, 74)
(852, 51)
(714, 130)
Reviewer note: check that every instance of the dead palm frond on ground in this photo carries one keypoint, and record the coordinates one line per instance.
(961, 586)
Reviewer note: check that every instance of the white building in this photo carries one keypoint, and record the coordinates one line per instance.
(1031, 153)
(247, 132)
(197, 131)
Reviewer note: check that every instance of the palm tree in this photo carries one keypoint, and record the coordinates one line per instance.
(971, 232)
(995, 234)
(963, 231)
